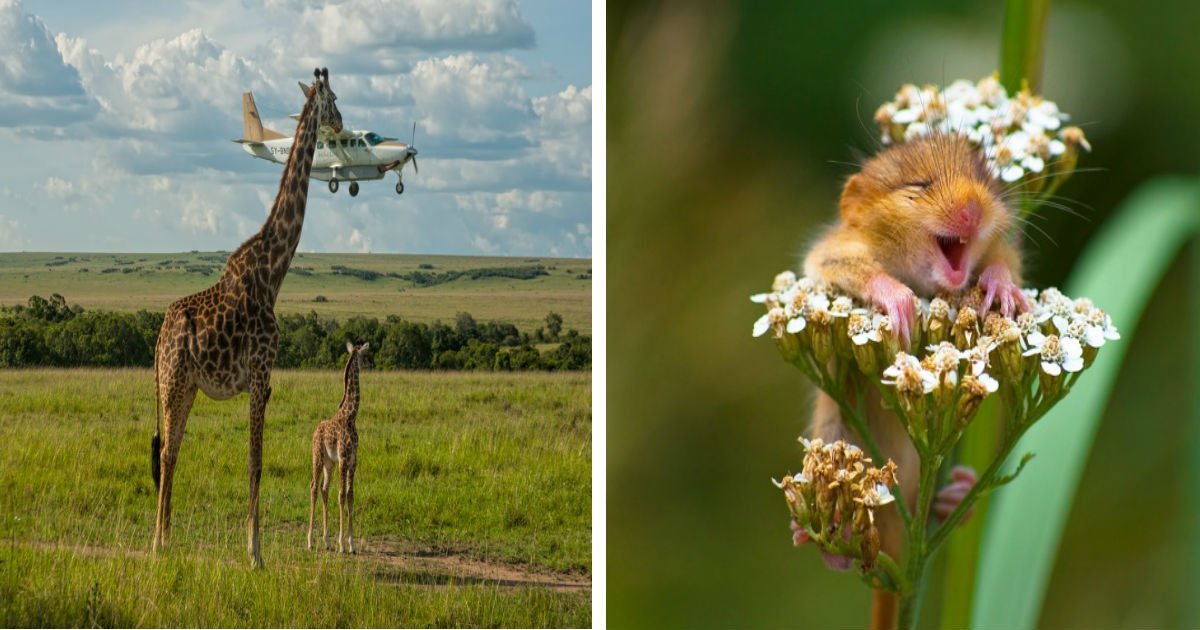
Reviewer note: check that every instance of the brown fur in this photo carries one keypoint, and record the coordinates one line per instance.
(224, 339)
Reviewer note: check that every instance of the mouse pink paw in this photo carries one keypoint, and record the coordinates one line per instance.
(962, 479)
(799, 534)
(999, 288)
(898, 301)
(832, 560)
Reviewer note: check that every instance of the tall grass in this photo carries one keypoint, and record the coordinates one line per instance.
(488, 466)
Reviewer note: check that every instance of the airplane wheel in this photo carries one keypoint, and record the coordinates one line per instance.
(353, 189)
(399, 188)
(333, 185)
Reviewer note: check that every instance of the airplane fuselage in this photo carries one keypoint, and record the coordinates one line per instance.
(349, 159)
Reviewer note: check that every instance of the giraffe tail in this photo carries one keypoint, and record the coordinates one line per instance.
(156, 441)
(155, 465)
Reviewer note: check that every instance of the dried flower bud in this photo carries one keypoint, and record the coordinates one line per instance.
(966, 327)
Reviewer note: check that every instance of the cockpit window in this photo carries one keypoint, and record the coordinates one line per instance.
(373, 138)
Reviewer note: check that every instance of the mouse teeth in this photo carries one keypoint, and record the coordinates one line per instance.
(953, 249)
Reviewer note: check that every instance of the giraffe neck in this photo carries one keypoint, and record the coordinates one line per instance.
(349, 406)
(281, 232)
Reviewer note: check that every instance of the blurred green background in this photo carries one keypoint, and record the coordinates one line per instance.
(731, 127)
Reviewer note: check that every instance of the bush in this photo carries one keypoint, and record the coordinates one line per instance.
(49, 332)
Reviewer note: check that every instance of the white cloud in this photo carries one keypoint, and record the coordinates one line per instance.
(36, 86)
(185, 86)
(11, 236)
(471, 98)
(58, 188)
(354, 241)
(382, 26)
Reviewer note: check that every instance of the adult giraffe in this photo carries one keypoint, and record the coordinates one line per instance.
(223, 340)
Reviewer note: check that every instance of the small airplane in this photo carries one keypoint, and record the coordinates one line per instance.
(353, 155)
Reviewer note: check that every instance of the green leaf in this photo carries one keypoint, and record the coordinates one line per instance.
(1119, 272)
(1021, 51)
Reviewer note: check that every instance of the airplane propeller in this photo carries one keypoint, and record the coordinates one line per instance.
(412, 150)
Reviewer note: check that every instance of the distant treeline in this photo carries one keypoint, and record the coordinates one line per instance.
(49, 332)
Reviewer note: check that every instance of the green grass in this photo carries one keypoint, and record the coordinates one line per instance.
(474, 470)
(128, 282)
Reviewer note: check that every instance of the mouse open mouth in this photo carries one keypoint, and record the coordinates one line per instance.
(954, 249)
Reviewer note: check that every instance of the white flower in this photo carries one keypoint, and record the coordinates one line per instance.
(1031, 334)
(907, 374)
(988, 382)
(1016, 133)
(915, 130)
(862, 328)
(841, 307)
(880, 495)
(1098, 328)
(1011, 173)
(1059, 354)
(775, 318)
(784, 281)
(977, 356)
(761, 298)
(1046, 115)
(762, 324)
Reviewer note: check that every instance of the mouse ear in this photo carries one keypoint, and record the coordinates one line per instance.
(854, 196)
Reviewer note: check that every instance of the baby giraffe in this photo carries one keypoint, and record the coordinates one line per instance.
(335, 441)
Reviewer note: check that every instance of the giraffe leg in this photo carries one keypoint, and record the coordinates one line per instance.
(341, 502)
(325, 506)
(177, 404)
(260, 392)
(350, 505)
(312, 490)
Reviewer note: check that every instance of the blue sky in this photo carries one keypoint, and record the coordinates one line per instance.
(116, 120)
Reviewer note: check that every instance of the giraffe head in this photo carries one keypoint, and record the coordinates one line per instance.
(324, 99)
(358, 354)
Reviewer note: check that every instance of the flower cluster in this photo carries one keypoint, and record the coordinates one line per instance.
(834, 498)
(958, 355)
(1022, 136)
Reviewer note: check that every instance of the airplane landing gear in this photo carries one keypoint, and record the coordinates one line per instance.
(399, 188)
(353, 189)
(333, 185)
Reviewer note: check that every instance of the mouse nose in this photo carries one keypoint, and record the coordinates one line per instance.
(967, 216)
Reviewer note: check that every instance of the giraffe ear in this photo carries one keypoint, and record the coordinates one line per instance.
(365, 346)
(304, 88)
(350, 347)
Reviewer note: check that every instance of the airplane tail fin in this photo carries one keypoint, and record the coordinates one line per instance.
(252, 127)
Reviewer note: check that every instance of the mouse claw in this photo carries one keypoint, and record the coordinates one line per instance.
(996, 281)
(898, 302)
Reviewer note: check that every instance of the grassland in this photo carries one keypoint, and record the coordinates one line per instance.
(128, 282)
(472, 504)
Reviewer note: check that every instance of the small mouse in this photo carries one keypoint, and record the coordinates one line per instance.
(920, 218)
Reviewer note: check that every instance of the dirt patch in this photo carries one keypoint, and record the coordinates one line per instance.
(413, 565)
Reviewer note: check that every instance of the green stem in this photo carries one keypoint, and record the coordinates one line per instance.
(1021, 53)
(984, 484)
(917, 552)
